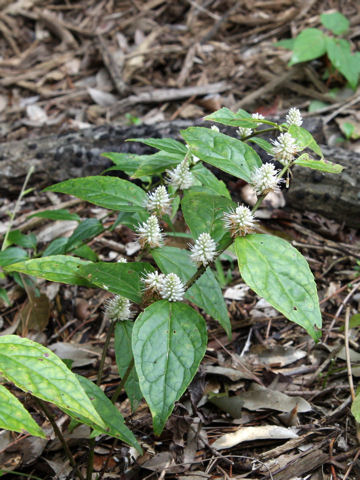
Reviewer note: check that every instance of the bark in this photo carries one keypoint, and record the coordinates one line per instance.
(75, 154)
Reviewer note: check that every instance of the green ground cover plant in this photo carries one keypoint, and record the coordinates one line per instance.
(160, 338)
(313, 43)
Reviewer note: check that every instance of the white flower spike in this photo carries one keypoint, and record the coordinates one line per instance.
(240, 221)
(150, 233)
(204, 249)
(153, 280)
(159, 201)
(171, 288)
(215, 128)
(118, 309)
(294, 117)
(285, 148)
(180, 177)
(264, 179)
(244, 132)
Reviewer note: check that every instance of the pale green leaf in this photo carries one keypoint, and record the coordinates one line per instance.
(310, 44)
(37, 370)
(336, 22)
(14, 417)
(321, 165)
(56, 268)
(304, 139)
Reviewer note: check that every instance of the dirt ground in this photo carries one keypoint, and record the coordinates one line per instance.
(72, 65)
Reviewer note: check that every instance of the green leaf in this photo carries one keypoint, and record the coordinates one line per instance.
(15, 237)
(276, 271)
(120, 278)
(168, 145)
(12, 255)
(310, 44)
(205, 293)
(108, 192)
(37, 370)
(339, 53)
(304, 139)
(316, 105)
(348, 130)
(131, 219)
(169, 341)
(287, 43)
(224, 152)
(227, 117)
(204, 212)
(56, 247)
(321, 165)
(208, 179)
(4, 296)
(157, 163)
(60, 214)
(125, 162)
(84, 251)
(112, 418)
(124, 355)
(56, 268)
(355, 408)
(336, 22)
(14, 417)
(89, 228)
(264, 144)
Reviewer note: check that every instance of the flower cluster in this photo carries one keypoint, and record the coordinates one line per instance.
(159, 201)
(169, 287)
(264, 179)
(240, 221)
(294, 117)
(180, 177)
(118, 309)
(285, 148)
(150, 233)
(204, 249)
(245, 132)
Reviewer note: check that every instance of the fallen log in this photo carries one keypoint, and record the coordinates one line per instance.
(75, 154)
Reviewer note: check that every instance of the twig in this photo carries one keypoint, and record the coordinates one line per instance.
(60, 437)
(104, 352)
(339, 310)
(347, 473)
(347, 351)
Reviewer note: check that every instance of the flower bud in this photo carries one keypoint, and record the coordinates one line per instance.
(264, 179)
(204, 249)
(159, 201)
(118, 309)
(240, 221)
(285, 148)
(180, 177)
(294, 117)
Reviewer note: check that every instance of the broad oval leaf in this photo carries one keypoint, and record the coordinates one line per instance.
(204, 212)
(112, 418)
(157, 163)
(336, 22)
(308, 45)
(226, 153)
(108, 192)
(12, 255)
(339, 53)
(169, 145)
(120, 278)
(321, 165)
(205, 293)
(169, 341)
(37, 370)
(124, 356)
(14, 417)
(56, 268)
(276, 271)
(304, 139)
(209, 180)
(239, 119)
(59, 214)
(91, 227)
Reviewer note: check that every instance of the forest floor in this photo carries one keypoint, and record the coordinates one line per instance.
(72, 65)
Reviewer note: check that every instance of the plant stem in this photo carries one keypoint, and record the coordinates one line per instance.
(260, 132)
(16, 208)
(201, 269)
(104, 351)
(123, 381)
(60, 436)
